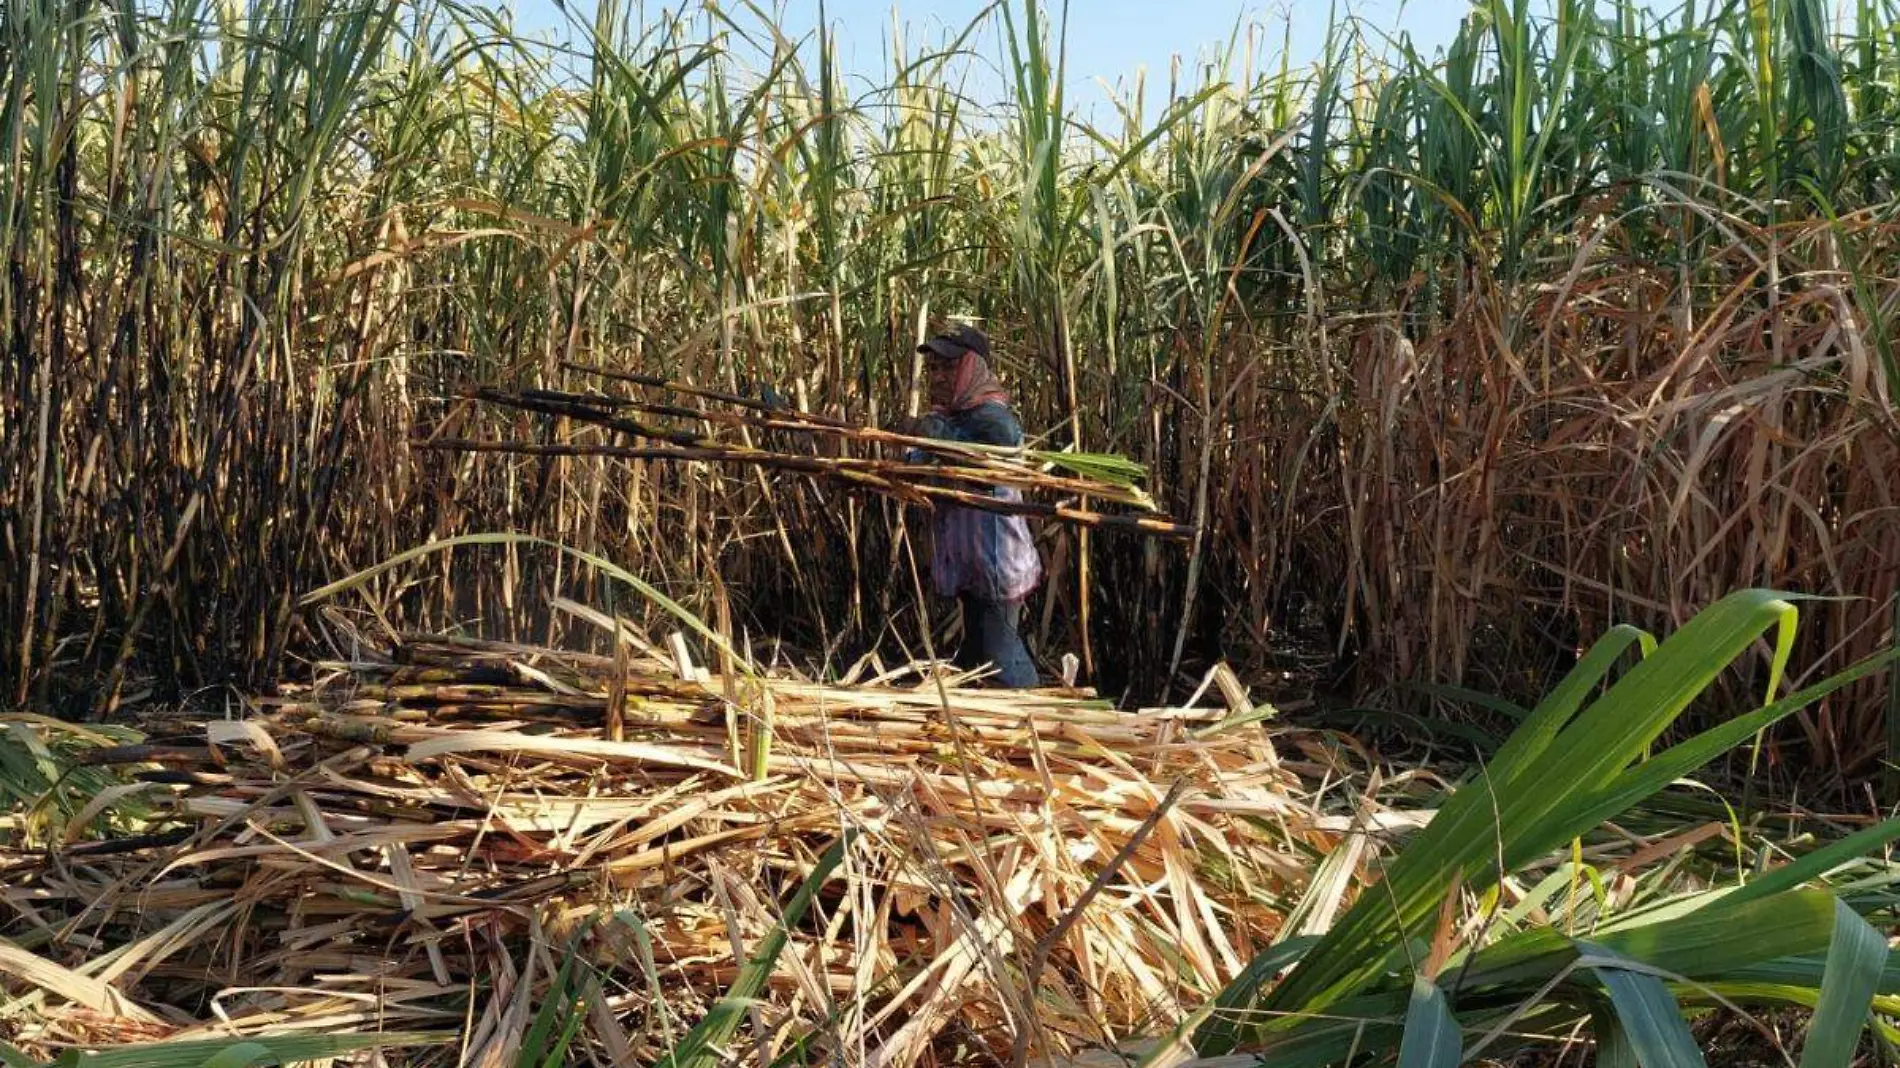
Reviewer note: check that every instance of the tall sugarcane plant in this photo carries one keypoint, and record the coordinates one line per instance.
(1630, 262)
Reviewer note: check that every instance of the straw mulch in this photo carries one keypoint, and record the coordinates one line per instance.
(420, 840)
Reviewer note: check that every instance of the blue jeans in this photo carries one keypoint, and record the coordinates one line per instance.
(990, 637)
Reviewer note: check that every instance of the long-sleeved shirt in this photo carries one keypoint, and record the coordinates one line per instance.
(980, 553)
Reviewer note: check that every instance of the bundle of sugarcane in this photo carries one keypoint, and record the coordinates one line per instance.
(512, 843)
(725, 428)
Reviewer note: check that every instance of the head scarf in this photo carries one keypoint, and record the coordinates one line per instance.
(974, 386)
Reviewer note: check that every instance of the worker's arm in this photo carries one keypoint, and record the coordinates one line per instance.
(990, 424)
(929, 425)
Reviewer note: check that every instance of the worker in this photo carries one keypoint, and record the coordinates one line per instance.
(983, 559)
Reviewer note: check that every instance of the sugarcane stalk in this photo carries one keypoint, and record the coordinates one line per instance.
(657, 382)
(1155, 527)
(1006, 457)
(976, 469)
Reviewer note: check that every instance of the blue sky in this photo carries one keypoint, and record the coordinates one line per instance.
(1107, 39)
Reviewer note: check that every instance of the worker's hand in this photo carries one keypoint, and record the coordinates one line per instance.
(931, 425)
(772, 398)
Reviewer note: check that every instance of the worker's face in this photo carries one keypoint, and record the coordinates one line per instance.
(943, 381)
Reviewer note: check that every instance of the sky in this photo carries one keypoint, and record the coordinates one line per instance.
(1107, 39)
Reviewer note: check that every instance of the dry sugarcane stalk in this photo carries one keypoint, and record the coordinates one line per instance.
(975, 464)
(597, 409)
(737, 401)
(1156, 527)
(1001, 458)
(779, 417)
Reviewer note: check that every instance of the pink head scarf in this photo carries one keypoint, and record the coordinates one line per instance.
(974, 386)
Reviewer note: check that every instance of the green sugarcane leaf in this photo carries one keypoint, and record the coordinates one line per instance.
(1532, 738)
(250, 1053)
(1551, 783)
(1431, 1037)
(1855, 959)
(1701, 936)
(1217, 1024)
(1809, 971)
(702, 1046)
(242, 1055)
(1648, 1013)
(1613, 1042)
(557, 1009)
(1653, 775)
(1716, 936)
(1820, 862)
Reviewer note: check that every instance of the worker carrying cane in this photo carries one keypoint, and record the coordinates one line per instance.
(984, 560)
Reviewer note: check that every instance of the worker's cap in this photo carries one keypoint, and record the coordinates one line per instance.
(954, 342)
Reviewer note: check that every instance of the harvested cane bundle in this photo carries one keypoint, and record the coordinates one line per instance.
(961, 473)
(446, 838)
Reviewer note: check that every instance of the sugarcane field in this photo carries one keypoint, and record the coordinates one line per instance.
(1013, 533)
